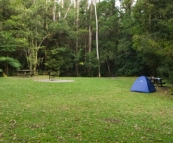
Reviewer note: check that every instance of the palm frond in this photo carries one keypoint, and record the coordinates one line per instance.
(12, 62)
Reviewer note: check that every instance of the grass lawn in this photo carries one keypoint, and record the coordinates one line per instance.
(87, 110)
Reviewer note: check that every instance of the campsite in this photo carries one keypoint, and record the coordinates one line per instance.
(86, 71)
(86, 110)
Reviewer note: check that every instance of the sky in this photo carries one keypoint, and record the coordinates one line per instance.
(118, 3)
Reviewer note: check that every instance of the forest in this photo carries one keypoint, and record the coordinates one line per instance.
(91, 38)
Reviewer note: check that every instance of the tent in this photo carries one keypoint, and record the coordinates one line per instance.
(143, 84)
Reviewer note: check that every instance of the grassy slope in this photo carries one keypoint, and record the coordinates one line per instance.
(87, 110)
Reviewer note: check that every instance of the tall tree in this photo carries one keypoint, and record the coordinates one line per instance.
(77, 33)
(152, 33)
(90, 26)
(108, 15)
(97, 46)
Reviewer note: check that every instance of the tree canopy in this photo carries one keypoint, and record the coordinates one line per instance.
(133, 39)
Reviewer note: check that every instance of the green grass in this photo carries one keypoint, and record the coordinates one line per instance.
(87, 110)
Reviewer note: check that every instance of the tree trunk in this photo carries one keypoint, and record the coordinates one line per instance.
(97, 48)
(77, 34)
(62, 3)
(90, 33)
(45, 16)
(67, 11)
(90, 28)
(54, 11)
(108, 67)
(149, 21)
(74, 3)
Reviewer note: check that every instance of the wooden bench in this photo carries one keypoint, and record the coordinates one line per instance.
(25, 73)
(29, 74)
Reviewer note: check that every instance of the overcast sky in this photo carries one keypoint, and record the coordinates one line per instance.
(118, 3)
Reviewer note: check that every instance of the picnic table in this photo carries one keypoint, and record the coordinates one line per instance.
(25, 73)
(157, 81)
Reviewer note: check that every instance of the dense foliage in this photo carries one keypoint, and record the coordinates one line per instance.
(134, 39)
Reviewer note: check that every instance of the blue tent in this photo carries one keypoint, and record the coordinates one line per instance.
(143, 84)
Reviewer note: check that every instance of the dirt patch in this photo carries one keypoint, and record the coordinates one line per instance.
(163, 89)
(47, 80)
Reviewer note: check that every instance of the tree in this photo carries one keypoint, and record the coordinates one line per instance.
(9, 61)
(7, 46)
(56, 61)
(108, 17)
(131, 40)
(152, 33)
(127, 60)
(97, 46)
